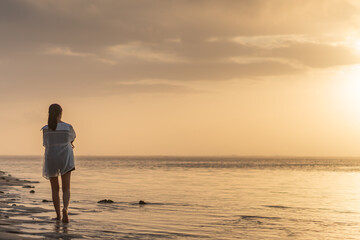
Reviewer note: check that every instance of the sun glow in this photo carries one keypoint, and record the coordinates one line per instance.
(352, 41)
(348, 90)
(356, 45)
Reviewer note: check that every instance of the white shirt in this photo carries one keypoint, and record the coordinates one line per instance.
(59, 155)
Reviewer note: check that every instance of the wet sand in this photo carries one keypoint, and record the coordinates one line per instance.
(13, 215)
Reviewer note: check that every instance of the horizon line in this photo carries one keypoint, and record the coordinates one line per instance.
(198, 155)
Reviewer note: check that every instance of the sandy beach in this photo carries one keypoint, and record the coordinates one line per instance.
(13, 214)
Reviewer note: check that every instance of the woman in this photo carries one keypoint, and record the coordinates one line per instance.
(58, 138)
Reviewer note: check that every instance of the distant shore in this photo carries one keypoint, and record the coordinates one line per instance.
(13, 213)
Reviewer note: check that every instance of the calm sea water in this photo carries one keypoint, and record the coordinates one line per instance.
(202, 197)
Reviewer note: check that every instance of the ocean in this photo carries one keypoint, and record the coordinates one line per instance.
(199, 197)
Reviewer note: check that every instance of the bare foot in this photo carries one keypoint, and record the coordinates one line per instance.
(65, 216)
(58, 218)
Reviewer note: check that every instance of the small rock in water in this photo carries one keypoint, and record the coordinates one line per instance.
(3, 178)
(28, 186)
(32, 191)
(44, 200)
(106, 201)
(142, 202)
(13, 205)
(1, 192)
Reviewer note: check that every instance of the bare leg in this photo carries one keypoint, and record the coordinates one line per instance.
(66, 195)
(55, 195)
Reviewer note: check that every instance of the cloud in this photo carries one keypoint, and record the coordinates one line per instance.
(200, 71)
(66, 51)
(248, 60)
(142, 51)
(212, 39)
(309, 51)
(106, 23)
(317, 55)
(89, 42)
(150, 86)
(270, 41)
(176, 40)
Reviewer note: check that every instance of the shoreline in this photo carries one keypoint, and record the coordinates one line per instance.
(13, 214)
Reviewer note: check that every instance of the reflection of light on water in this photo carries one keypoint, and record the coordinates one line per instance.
(31, 236)
(35, 228)
(61, 228)
(23, 218)
(347, 190)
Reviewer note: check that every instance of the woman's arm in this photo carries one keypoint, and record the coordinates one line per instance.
(43, 137)
(73, 135)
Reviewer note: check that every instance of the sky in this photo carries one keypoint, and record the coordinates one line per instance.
(199, 77)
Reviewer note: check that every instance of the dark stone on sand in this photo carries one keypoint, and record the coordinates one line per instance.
(142, 202)
(44, 200)
(28, 186)
(13, 205)
(106, 201)
(3, 178)
(9, 175)
(1, 192)
(32, 191)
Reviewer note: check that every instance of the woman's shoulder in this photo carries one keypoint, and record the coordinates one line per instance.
(60, 126)
(64, 126)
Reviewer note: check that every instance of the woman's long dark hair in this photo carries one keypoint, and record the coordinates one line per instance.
(54, 112)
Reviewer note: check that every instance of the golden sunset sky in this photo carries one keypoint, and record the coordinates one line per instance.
(245, 77)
